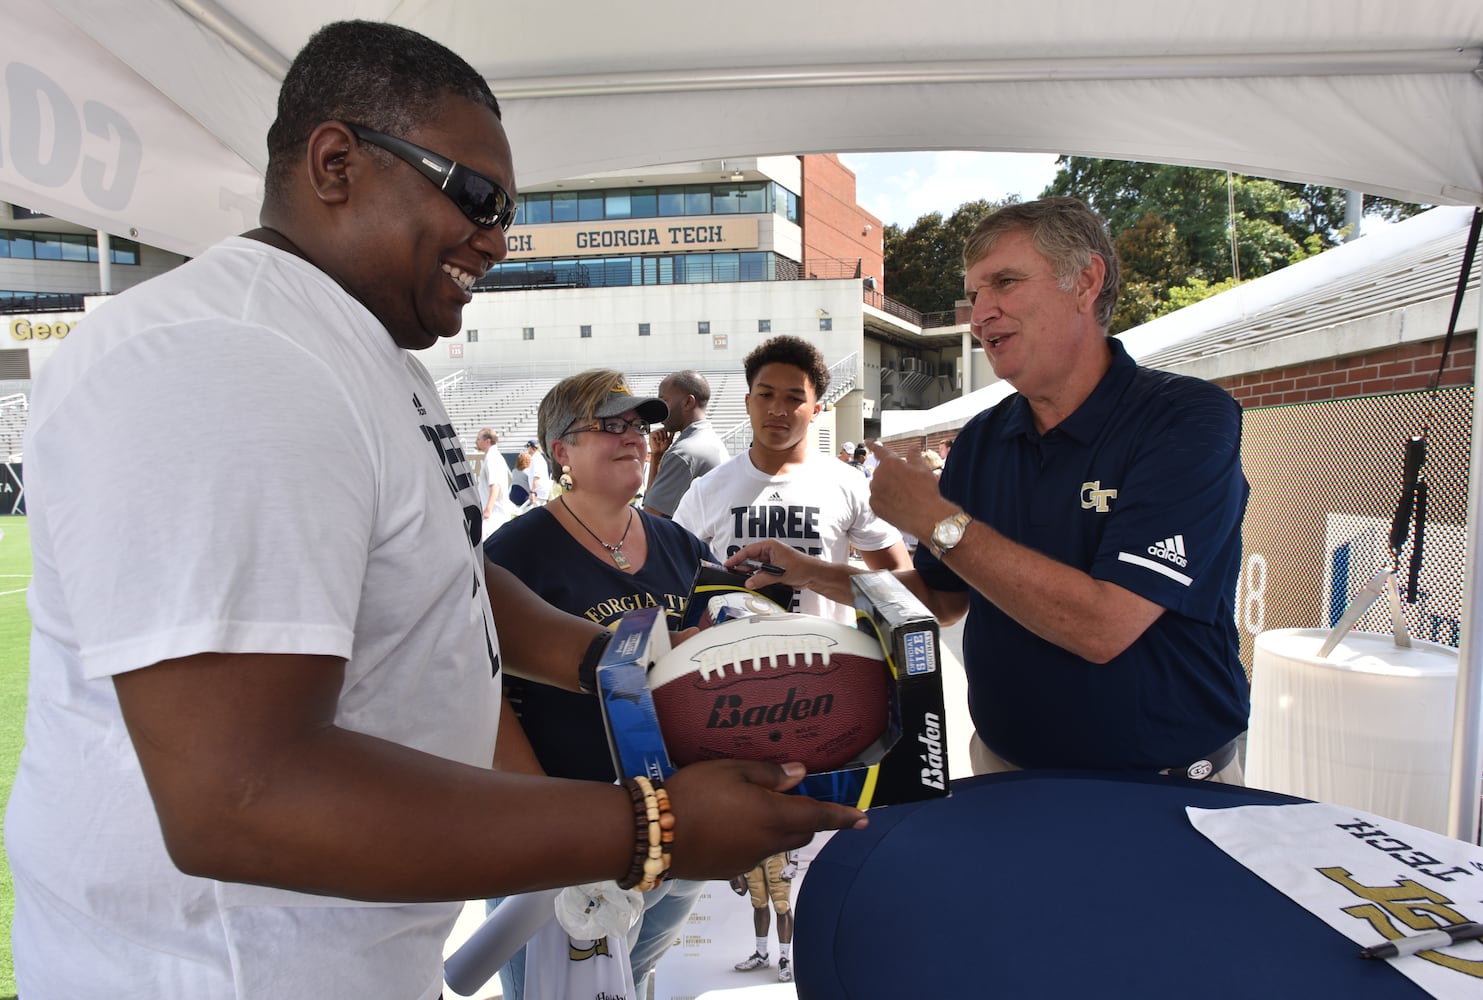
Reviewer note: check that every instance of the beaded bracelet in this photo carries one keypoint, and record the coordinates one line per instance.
(641, 838)
(654, 826)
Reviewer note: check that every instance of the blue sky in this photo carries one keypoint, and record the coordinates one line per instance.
(903, 187)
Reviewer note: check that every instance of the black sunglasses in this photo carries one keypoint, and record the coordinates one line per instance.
(484, 202)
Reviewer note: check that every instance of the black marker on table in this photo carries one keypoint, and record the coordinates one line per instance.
(1425, 941)
(764, 566)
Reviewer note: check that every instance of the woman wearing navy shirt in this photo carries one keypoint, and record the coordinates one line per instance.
(592, 553)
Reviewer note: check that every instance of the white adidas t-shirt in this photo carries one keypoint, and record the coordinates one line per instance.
(821, 508)
(343, 522)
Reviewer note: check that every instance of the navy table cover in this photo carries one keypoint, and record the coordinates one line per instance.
(1063, 884)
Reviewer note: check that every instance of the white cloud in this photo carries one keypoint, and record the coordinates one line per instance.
(902, 187)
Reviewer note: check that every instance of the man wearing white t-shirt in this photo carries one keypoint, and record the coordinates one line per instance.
(260, 723)
(781, 490)
(494, 481)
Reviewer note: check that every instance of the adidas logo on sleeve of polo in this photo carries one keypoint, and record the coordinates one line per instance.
(1171, 550)
(1162, 556)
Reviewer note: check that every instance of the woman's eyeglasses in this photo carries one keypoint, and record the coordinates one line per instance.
(611, 425)
(483, 201)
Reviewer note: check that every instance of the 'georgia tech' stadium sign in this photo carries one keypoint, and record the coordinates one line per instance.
(606, 239)
(26, 329)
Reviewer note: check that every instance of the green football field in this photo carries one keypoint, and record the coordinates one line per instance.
(15, 643)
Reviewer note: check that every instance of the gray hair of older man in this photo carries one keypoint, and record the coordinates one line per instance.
(1066, 232)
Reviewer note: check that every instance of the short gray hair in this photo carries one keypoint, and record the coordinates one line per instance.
(1066, 232)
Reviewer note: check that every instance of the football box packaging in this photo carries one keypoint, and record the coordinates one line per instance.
(916, 768)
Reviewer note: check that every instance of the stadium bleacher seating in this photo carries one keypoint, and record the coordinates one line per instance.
(509, 405)
(14, 409)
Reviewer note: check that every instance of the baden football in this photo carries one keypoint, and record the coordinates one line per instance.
(779, 688)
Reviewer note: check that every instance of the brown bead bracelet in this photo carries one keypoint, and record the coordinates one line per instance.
(654, 834)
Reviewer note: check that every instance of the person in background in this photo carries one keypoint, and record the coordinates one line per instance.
(857, 460)
(540, 474)
(259, 736)
(493, 482)
(771, 882)
(1090, 527)
(781, 489)
(539, 471)
(846, 453)
(686, 447)
(520, 494)
(590, 553)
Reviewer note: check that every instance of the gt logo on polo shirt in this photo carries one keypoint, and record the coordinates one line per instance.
(1093, 497)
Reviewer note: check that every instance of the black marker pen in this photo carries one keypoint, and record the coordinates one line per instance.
(1425, 941)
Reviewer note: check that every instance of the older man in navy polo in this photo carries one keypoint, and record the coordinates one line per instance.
(1089, 525)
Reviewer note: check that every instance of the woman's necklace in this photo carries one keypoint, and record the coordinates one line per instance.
(619, 559)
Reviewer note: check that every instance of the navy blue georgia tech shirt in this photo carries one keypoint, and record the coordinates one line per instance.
(566, 728)
(1142, 487)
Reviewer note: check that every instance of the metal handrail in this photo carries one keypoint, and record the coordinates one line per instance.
(843, 376)
(734, 440)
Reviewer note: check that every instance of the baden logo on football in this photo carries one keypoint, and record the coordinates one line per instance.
(731, 711)
(1170, 550)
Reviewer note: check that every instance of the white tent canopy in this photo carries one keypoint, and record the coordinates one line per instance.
(147, 118)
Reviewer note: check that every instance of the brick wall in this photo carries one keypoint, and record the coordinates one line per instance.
(834, 227)
(1392, 369)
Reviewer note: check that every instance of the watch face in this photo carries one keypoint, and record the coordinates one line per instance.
(948, 533)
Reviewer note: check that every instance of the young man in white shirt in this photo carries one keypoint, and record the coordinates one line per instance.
(781, 489)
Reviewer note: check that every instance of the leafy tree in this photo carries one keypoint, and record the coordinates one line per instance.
(1197, 202)
(1325, 208)
(1193, 291)
(1153, 258)
(1172, 227)
(924, 262)
(1155, 209)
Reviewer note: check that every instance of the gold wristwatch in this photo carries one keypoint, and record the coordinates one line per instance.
(947, 533)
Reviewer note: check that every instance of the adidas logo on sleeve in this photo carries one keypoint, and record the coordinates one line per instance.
(1166, 555)
(1171, 550)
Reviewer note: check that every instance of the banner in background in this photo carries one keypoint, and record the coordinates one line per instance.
(12, 492)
